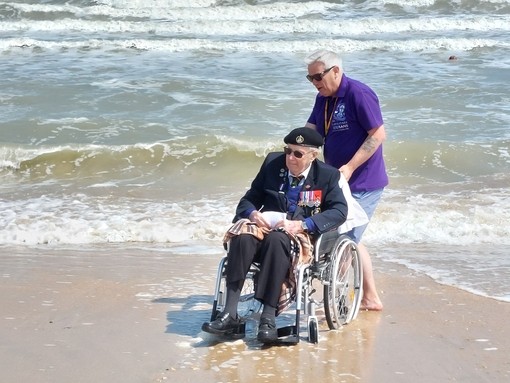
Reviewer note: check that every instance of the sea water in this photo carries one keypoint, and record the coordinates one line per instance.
(144, 122)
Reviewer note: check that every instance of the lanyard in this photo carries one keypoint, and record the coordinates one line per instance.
(327, 123)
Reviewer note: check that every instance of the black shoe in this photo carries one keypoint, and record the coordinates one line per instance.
(268, 333)
(224, 324)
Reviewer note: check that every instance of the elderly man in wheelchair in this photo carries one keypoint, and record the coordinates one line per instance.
(285, 235)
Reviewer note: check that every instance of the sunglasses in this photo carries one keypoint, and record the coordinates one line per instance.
(295, 153)
(318, 76)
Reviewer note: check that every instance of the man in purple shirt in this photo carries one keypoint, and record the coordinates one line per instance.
(347, 114)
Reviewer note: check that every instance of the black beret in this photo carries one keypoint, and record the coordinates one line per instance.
(304, 137)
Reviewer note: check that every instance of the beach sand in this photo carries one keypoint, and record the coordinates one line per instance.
(117, 314)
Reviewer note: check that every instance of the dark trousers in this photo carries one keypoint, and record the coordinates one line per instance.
(273, 255)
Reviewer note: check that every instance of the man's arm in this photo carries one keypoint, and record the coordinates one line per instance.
(375, 139)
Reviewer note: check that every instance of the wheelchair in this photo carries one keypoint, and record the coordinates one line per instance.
(335, 269)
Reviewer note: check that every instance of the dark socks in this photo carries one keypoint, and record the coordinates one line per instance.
(233, 294)
(268, 312)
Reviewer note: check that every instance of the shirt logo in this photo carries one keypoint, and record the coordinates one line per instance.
(339, 122)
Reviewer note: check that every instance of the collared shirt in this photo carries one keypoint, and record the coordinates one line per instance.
(293, 196)
(304, 174)
(356, 112)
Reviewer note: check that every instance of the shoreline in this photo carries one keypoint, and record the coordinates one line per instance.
(134, 315)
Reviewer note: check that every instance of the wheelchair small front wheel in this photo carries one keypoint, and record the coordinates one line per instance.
(344, 290)
(313, 331)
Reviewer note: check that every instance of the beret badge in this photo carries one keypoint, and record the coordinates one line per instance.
(304, 137)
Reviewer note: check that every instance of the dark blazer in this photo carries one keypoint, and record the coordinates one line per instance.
(267, 193)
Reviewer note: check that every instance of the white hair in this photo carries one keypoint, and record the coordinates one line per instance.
(315, 151)
(328, 58)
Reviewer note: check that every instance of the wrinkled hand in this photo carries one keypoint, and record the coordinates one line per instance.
(257, 217)
(292, 227)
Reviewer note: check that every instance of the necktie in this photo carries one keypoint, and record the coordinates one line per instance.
(295, 181)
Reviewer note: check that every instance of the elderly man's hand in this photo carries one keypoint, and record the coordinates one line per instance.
(292, 227)
(257, 217)
(346, 171)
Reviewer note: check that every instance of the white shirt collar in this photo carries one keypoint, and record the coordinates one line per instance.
(304, 173)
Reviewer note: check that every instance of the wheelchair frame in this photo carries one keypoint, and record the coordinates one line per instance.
(336, 265)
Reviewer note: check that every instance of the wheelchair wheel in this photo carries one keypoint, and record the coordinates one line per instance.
(248, 305)
(344, 289)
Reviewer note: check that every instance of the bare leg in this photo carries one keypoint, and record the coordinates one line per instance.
(371, 300)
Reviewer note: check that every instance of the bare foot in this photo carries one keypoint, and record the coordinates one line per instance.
(371, 306)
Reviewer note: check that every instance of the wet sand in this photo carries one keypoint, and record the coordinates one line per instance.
(134, 315)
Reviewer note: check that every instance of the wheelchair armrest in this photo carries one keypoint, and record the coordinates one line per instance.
(325, 242)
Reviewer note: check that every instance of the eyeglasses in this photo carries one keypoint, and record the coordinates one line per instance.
(318, 76)
(295, 153)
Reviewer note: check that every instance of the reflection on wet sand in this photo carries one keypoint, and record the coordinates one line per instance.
(340, 356)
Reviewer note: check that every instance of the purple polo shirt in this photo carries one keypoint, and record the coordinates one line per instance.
(356, 111)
